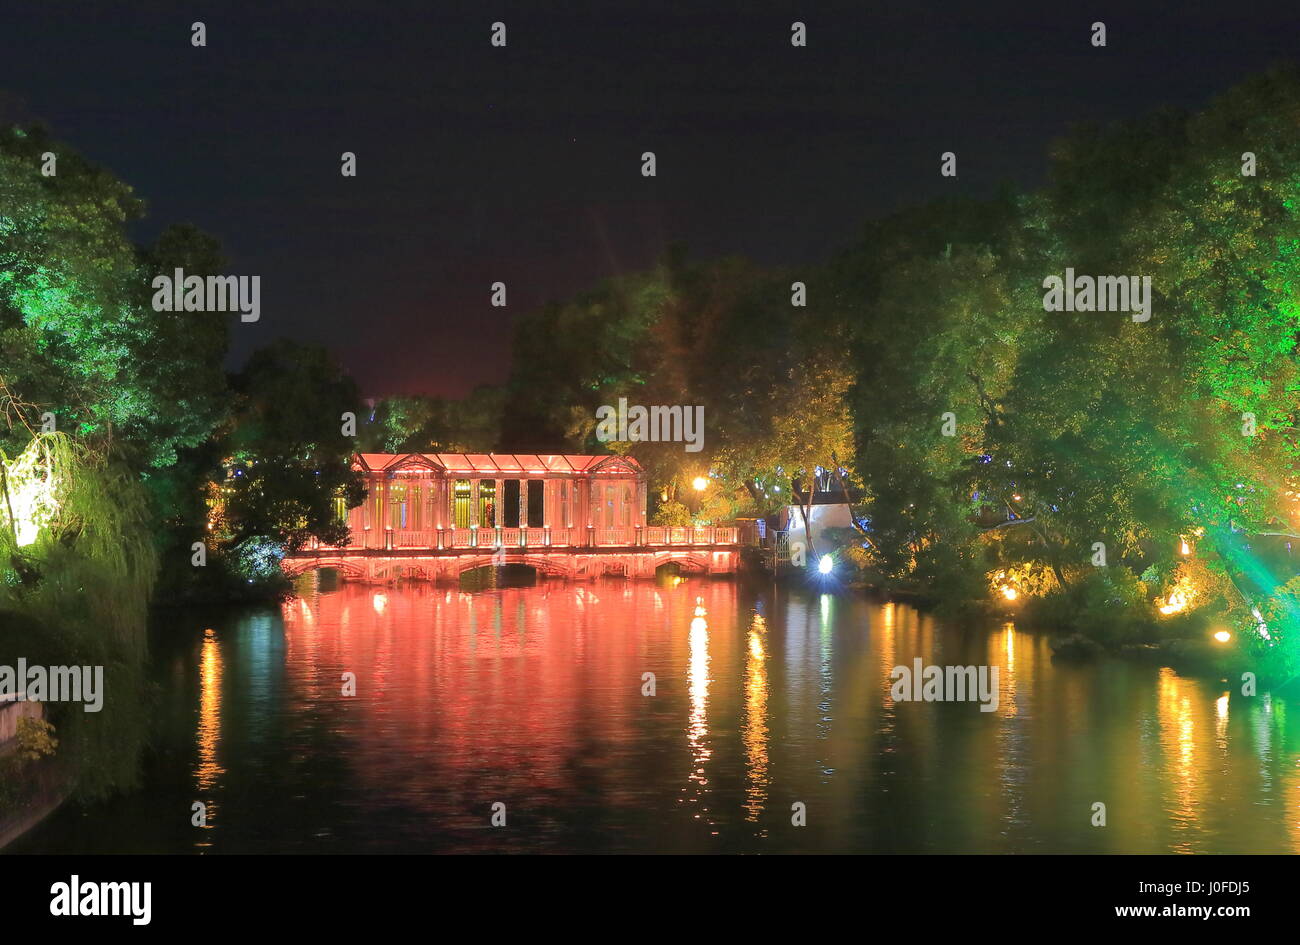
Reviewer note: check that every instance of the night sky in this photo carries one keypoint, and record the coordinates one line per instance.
(522, 165)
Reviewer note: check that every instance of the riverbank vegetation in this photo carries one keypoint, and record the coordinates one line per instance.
(1126, 477)
(118, 427)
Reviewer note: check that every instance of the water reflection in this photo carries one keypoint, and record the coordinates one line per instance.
(208, 736)
(207, 769)
(755, 732)
(1177, 717)
(533, 696)
(697, 728)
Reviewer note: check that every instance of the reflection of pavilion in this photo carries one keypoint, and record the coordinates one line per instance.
(437, 515)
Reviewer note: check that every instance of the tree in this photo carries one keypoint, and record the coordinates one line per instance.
(290, 461)
(79, 338)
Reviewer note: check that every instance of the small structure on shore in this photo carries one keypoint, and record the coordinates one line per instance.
(828, 510)
(12, 708)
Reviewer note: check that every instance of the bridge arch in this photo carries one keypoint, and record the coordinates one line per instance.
(693, 562)
(399, 568)
(350, 567)
(542, 564)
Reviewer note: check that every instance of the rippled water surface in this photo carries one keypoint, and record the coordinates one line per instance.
(533, 698)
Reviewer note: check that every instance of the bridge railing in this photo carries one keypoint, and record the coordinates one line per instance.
(614, 537)
(452, 539)
(412, 539)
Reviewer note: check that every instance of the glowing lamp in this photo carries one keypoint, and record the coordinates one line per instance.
(825, 564)
(1223, 636)
(700, 483)
(1009, 592)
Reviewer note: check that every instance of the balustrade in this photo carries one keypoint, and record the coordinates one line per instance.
(577, 537)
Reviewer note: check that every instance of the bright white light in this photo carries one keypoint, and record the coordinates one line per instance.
(825, 565)
(700, 483)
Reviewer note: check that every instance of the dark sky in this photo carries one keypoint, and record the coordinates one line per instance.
(522, 164)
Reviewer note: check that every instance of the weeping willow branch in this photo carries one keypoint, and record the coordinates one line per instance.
(83, 521)
(9, 504)
(12, 406)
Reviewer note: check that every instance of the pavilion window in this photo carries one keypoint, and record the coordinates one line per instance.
(487, 500)
(625, 511)
(609, 507)
(460, 503)
(566, 518)
(414, 509)
(340, 510)
(536, 502)
(510, 504)
(397, 497)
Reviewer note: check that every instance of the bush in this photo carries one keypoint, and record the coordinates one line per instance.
(35, 739)
(1107, 605)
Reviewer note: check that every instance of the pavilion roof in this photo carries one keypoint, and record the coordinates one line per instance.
(508, 463)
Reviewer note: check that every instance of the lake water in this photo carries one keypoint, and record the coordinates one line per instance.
(532, 697)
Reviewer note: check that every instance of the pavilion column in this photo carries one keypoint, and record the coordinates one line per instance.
(436, 487)
(374, 497)
(444, 508)
(549, 487)
(384, 531)
(587, 507)
(523, 506)
(473, 514)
